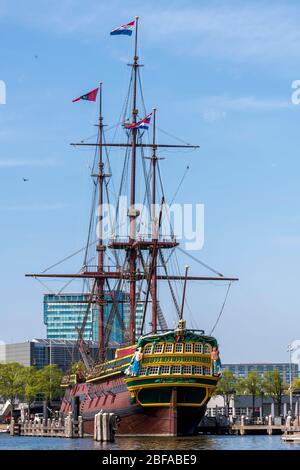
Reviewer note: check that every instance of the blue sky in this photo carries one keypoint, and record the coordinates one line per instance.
(220, 74)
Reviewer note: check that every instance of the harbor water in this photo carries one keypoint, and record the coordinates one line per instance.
(201, 442)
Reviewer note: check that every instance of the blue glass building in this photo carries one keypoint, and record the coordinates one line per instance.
(64, 313)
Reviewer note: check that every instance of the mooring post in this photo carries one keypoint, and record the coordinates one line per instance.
(80, 426)
(112, 426)
(270, 430)
(12, 427)
(105, 423)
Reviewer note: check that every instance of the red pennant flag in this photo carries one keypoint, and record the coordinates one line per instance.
(90, 96)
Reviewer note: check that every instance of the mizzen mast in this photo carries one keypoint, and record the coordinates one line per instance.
(154, 230)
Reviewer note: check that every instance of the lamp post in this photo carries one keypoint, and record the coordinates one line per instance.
(290, 350)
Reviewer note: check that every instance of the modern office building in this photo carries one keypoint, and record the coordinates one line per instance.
(42, 352)
(64, 313)
(242, 370)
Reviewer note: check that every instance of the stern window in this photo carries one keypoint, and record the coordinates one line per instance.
(176, 370)
(198, 348)
(186, 369)
(143, 371)
(178, 347)
(148, 349)
(189, 347)
(158, 348)
(168, 347)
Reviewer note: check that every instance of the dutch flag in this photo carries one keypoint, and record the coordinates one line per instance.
(142, 124)
(124, 29)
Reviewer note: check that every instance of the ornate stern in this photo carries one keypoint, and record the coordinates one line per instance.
(179, 360)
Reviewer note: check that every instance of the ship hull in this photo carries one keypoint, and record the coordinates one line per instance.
(165, 395)
(170, 420)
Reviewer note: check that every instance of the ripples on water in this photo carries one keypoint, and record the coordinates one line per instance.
(147, 443)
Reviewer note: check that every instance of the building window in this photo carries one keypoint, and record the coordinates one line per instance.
(206, 370)
(165, 369)
(178, 347)
(186, 369)
(169, 347)
(188, 348)
(206, 349)
(158, 348)
(198, 348)
(153, 370)
(176, 370)
(148, 349)
(198, 370)
(143, 371)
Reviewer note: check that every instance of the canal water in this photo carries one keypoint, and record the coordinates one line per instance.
(138, 443)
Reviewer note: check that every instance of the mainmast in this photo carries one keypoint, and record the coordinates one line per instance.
(154, 230)
(132, 211)
(100, 246)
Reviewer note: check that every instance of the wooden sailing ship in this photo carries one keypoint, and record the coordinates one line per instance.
(159, 382)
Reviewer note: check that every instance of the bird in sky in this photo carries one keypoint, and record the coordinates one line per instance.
(25, 179)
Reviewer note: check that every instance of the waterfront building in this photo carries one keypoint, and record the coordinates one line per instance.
(64, 313)
(42, 352)
(241, 405)
(242, 370)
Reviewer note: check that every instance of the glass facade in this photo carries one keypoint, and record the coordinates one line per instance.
(242, 370)
(64, 313)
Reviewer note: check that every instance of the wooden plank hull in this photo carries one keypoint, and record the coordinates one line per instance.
(169, 420)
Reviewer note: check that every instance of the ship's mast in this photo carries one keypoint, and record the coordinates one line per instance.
(102, 274)
(100, 246)
(132, 211)
(154, 230)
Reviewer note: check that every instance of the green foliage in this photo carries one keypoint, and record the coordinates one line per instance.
(227, 387)
(296, 384)
(25, 383)
(274, 387)
(49, 380)
(252, 385)
(11, 381)
(30, 376)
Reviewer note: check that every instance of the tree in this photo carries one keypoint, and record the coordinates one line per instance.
(251, 385)
(275, 387)
(296, 384)
(227, 387)
(48, 382)
(11, 384)
(30, 376)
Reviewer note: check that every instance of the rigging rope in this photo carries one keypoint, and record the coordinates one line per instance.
(180, 184)
(221, 311)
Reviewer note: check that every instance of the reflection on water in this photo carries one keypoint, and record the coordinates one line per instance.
(150, 443)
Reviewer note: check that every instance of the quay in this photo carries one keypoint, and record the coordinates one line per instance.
(105, 426)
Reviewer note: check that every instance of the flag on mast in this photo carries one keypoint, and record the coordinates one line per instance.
(90, 96)
(142, 124)
(124, 29)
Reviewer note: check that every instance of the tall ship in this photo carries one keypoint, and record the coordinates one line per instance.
(159, 379)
